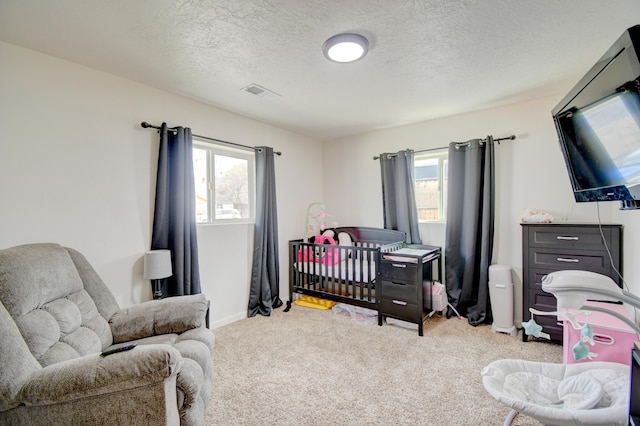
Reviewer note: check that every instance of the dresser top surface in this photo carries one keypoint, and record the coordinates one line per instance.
(574, 224)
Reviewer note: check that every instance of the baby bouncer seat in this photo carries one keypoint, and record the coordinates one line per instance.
(590, 393)
(594, 393)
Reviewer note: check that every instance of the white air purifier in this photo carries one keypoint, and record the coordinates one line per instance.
(501, 294)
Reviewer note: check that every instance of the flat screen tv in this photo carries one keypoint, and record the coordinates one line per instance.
(598, 125)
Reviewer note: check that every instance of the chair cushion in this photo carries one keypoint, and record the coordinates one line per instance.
(170, 315)
(195, 378)
(42, 290)
(17, 362)
(97, 289)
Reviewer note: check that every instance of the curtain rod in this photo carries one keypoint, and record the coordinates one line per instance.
(146, 125)
(512, 137)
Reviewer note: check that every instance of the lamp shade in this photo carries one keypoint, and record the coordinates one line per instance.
(157, 264)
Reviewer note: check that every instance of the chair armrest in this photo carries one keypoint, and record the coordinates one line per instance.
(94, 375)
(170, 315)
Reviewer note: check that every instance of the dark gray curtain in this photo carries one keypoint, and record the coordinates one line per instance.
(470, 228)
(174, 219)
(398, 194)
(265, 275)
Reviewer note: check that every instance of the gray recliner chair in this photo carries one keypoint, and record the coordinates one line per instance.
(57, 316)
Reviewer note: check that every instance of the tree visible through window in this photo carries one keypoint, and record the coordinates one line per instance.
(224, 184)
(430, 171)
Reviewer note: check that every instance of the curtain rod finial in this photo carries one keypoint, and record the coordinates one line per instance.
(145, 125)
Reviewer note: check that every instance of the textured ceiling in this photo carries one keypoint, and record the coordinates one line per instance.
(427, 58)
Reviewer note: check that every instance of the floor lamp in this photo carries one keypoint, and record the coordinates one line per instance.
(157, 265)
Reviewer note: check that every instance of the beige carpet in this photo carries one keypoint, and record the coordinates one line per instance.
(311, 367)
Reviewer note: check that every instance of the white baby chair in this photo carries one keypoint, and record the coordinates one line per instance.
(592, 393)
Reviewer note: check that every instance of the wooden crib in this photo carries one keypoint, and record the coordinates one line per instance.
(342, 273)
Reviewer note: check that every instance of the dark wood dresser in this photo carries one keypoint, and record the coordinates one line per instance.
(549, 247)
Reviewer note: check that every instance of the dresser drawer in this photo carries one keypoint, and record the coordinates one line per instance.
(401, 291)
(550, 325)
(559, 259)
(401, 309)
(535, 277)
(548, 321)
(555, 247)
(587, 238)
(542, 300)
(405, 272)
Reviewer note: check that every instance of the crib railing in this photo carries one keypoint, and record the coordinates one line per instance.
(344, 274)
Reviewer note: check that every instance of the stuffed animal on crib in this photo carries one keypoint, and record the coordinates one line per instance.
(326, 256)
(319, 251)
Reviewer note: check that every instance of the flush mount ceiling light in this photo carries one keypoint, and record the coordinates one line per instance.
(345, 47)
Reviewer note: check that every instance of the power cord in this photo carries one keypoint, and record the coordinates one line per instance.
(604, 241)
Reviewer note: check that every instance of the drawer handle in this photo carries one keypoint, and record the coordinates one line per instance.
(399, 302)
(560, 237)
(399, 265)
(603, 339)
(567, 260)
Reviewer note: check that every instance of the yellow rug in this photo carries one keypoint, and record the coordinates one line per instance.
(314, 302)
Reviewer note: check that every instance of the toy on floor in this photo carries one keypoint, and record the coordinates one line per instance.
(314, 302)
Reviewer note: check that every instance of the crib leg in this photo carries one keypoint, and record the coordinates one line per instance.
(509, 419)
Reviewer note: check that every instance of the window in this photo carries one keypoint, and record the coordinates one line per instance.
(430, 171)
(224, 182)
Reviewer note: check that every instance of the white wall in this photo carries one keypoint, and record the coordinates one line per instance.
(76, 168)
(530, 173)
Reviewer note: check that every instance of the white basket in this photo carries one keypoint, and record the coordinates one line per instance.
(439, 299)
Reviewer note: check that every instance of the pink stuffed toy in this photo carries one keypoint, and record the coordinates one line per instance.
(329, 257)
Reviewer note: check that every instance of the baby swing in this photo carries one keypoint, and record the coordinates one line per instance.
(592, 393)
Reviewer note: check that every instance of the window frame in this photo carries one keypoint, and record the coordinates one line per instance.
(213, 149)
(442, 155)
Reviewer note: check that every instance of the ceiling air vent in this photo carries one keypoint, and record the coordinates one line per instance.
(256, 89)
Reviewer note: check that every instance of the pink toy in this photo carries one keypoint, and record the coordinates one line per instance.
(330, 256)
(613, 339)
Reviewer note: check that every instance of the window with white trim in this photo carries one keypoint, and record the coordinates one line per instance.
(430, 172)
(224, 182)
